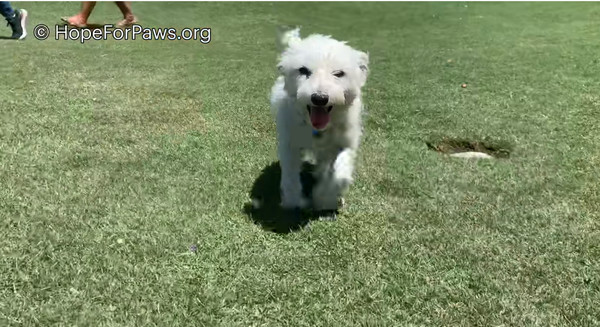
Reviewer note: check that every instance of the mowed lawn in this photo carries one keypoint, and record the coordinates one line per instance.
(126, 168)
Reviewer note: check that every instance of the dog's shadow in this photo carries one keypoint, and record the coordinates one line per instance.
(265, 209)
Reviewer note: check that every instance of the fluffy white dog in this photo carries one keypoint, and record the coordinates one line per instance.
(317, 104)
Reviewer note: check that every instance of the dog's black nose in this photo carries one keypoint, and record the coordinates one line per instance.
(319, 99)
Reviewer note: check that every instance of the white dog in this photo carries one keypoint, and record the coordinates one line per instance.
(317, 104)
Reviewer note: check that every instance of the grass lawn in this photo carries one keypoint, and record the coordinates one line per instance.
(117, 156)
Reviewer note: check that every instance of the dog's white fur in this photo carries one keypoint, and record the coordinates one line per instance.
(335, 149)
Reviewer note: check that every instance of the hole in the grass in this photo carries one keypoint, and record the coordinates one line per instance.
(455, 146)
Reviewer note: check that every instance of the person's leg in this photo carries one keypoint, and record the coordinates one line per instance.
(86, 9)
(17, 19)
(128, 17)
(6, 10)
(80, 20)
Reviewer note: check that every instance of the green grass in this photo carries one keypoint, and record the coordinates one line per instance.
(116, 156)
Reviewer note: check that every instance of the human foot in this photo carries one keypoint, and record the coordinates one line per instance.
(75, 21)
(127, 22)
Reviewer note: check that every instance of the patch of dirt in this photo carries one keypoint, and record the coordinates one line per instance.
(452, 145)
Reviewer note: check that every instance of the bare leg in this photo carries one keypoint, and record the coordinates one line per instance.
(86, 9)
(128, 17)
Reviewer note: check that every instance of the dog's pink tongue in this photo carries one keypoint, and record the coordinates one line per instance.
(319, 117)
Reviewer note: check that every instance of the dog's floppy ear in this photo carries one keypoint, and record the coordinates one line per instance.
(363, 64)
(281, 69)
(363, 61)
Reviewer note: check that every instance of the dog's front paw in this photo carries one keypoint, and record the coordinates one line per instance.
(292, 214)
(295, 202)
(341, 203)
(293, 220)
(327, 215)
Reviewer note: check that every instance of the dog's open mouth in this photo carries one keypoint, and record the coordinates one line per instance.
(319, 116)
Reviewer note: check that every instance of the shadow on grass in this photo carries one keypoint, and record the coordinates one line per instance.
(268, 213)
(495, 148)
(95, 26)
(89, 26)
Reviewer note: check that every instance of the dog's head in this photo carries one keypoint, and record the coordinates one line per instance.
(324, 75)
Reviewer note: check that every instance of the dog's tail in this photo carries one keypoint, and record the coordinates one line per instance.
(287, 36)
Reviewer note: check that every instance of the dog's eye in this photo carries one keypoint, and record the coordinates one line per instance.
(304, 71)
(339, 74)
